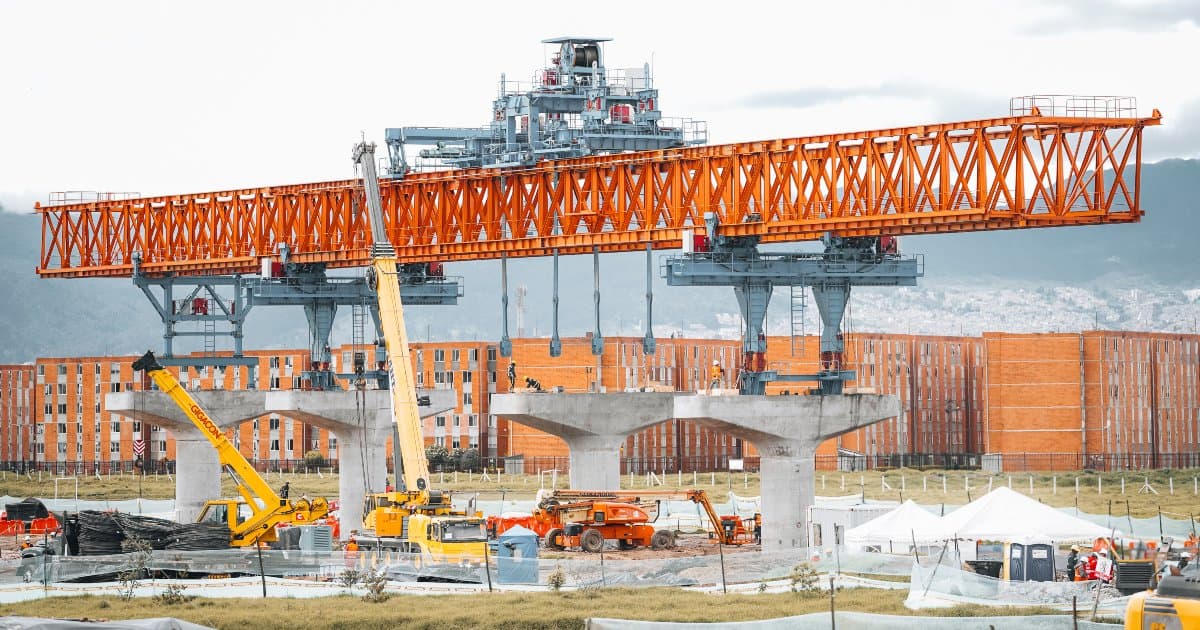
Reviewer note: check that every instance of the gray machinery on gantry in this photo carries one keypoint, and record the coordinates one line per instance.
(575, 107)
(725, 261)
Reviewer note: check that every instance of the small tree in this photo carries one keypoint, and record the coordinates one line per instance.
(804, 578)
(314, 459)
(438, 456)
(467, 459)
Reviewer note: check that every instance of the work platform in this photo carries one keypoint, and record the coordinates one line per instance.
(362, 436)
(786, 430)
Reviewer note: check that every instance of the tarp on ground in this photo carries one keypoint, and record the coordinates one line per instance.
(861, 621)
(157, 623)
(1005, 515)
(897, 528)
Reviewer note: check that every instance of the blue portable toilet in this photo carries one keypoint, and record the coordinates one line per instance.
(516, 556)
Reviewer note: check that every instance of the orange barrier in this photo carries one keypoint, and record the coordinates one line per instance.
(11, 528)
(47, 525)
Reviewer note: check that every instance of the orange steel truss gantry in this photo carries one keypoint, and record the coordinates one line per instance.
(1002, 173)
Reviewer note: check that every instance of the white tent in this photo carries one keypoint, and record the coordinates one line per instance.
(1005, 515)
(895, 530)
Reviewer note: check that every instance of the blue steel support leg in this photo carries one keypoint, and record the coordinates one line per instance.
(648, 339)
(505, 341)
(831, 299)
(555, 341)
(320, 314)
(753, 298)
(597, 337)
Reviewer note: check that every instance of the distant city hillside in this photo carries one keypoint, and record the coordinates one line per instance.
(1140, 277)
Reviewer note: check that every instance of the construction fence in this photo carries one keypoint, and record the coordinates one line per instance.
(933, 580)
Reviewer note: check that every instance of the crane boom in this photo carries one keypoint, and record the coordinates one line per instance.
(411, 442)
(1024, 170)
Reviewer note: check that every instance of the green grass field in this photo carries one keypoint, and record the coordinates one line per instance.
(926, 487)
(487, 610)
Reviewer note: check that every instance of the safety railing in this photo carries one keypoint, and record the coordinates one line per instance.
(1073, 106)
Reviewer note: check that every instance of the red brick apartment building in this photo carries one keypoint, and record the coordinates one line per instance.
(1007, 401)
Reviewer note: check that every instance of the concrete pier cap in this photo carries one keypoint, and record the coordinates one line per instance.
(786, 431)
(594, 426)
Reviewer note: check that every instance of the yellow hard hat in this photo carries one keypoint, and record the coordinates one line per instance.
(1074, 547)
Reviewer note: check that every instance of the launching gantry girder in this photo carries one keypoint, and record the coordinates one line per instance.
(1049, 163)
(1016, 172)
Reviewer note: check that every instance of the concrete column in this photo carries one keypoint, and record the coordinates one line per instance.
(786, 430)
(593, 425)
(786, 467)
(596, 461)
(197, 467)
(197, 474)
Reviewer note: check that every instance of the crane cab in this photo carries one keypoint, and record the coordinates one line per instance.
(236, 514)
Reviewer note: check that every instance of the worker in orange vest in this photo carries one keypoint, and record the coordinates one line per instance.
(716, 372)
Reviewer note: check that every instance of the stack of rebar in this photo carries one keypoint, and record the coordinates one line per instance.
(99, 534)
(110, 533)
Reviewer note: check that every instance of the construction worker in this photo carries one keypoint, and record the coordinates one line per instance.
(285, 489)
(1090, 566)
(1104, 567)
(27, 543)
(533, 384)
(758, 527)
(715, 373)
(512, 375)
(1072, 560)
(1184, 559)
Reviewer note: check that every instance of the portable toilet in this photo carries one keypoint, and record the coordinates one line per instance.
(516, 556)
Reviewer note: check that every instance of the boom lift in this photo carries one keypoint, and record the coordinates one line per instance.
(586, 518)
(252, 518)
(414, 519)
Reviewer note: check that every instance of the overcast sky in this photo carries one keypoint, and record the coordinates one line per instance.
(172, 97)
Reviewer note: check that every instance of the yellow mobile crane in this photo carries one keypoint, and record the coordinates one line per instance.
(253, 517)
(414, 519)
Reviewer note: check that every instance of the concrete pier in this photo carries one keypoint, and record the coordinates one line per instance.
(361, 450)
(197, 469)
(786, 430)
(593, 425)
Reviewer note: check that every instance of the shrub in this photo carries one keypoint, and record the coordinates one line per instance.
(557, 579)
(803, 578)
(314, 459)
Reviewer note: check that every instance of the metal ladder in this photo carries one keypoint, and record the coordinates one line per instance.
(358, 335)
(799, 306)
(210, 337)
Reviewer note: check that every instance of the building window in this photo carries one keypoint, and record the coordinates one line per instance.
(457, 421)
(472, 420)
(62, 389)
(473, 354)
(114, 447)
(466, 398)
(491, 353)
(439, 355)
(289, 445)
(454, 357)
(274, 382)
(466, 377)
(274, 423)
(440, 421)
(275, 445)
(274, 362)
(439, 440)
(137, 426)
(455, 443)
(62, 369)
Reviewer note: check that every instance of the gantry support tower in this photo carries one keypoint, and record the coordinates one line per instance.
(735, 261)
